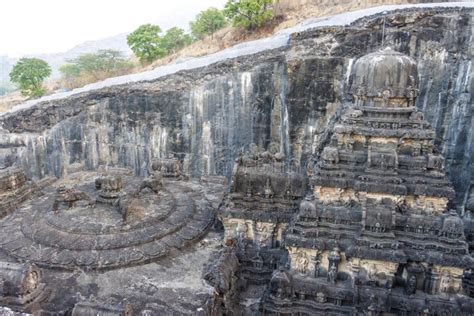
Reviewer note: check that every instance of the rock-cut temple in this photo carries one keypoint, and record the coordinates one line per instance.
(374, 232)
(367, 227)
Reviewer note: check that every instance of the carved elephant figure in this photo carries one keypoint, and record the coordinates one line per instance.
(154, 183)
(331, 155)
(352, 113)
(435, 162)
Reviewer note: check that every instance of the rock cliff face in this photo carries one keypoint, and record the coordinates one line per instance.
(285, 97)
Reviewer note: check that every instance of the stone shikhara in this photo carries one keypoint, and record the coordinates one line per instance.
(374, 234)
(350, 189)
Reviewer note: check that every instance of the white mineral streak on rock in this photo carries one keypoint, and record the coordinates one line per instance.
(245, 86)
(349, 70)
(285, 144)
(427, 90)
(468, 76)
(278, 40)
(155, 142)
(285, 128)
(163, 141)
(207, 147)
(198, 97)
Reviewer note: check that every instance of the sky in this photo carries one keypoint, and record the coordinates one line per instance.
(53, 26)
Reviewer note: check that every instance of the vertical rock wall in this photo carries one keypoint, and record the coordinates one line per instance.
(285, 98)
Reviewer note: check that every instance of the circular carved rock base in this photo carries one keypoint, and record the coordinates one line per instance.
(97, 237)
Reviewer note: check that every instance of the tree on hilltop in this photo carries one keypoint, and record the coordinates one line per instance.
(102, 63)
(207, 22)
(29, 74)
(175, 39)
(145, 42)
(91, 67)
(250, 14)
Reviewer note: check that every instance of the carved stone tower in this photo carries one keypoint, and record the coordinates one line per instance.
(378, 236)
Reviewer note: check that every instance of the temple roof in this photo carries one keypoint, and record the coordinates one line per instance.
(384, 70)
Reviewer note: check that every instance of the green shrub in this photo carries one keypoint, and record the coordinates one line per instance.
(145, 42)
(250, 14)
(208, 22)
(175, 39)
(91, 67)
(29, 74)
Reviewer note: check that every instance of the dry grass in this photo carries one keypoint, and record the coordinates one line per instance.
(10, 100)
(222, 39)
(291, 13)
(88, 78)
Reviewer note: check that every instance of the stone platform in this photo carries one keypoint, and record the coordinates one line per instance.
(95, 236)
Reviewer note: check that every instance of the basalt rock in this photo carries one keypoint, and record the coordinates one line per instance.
(374, 234)
(207, 115)
(351, 180)
(379, 226)
(21, 286)
(114, 224)
(14, 189)
(92, 308)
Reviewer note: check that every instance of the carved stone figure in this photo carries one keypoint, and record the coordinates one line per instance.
(302, 261)
(412, 94)
(170, 167)
(249, 191)
(257, 261)
(435, 162)
(268, 191)
(360, 96)
(320, 297)
(332, 273)
(67, 198)
(19, 281)
(110, 188)
(334, 256)
(355, 113)
(411, 285)
(372, 273)
(444, 282)
(265, 235)
(416, 150)
(350, 144)
(416, 116)
(386, 94)
(154, 182)
(331, 155)
(317, 264)
(453, 226)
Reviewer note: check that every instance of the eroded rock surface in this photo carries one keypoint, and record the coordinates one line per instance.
(351, 185)
(288, 96)
(79, 226)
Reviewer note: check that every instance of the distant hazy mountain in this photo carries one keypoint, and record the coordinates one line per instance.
(6, 64)
(118, 42)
